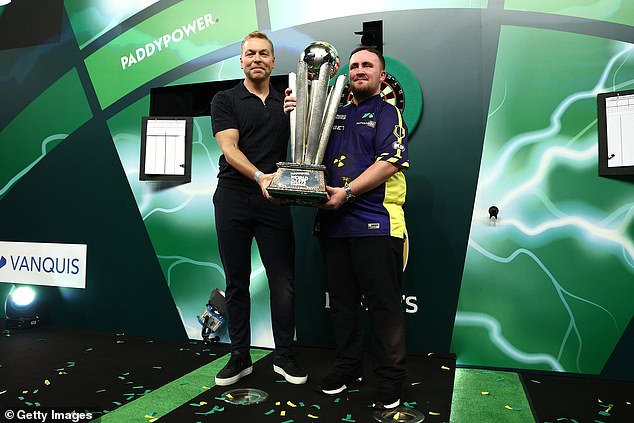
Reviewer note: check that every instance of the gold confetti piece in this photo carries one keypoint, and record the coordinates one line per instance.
(283, 413)
(203, 403)
(445, 368)
(278, 403)
(147, 416)
(25, 392)
(153, 419)
(3, 392)
(47, 382)
(416, 383)
(62, 373)
(433, 413)
(627, 402)
(313, 417)
(508, 407)
(205, 387)
(397, 415)
(484, 393)
(291, 404)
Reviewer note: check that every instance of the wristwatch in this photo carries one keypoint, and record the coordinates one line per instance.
(350, 197)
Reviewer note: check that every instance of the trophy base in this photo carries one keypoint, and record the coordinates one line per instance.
(299, 184)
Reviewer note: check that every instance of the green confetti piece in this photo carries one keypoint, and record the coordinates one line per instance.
(316, 406)
(28, 403)
(117, 403)
(157, 367)
(100, 391)
(500, 379)
(194, 404)
(535, 381)
(337, 399)
(271, 411)
(353, 390)
(301, 404)
(348, 418)
(138, 387)
(598, 421)
(603, 413)
(37, 404)
(88, 350)
(36, 391)
(289, 421)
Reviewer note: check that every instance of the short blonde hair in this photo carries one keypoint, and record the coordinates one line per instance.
(257, 34)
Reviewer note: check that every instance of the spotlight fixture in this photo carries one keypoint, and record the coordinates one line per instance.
(21, 308)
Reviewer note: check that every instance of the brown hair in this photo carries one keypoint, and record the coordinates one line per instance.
(371, 50)
(257, 34)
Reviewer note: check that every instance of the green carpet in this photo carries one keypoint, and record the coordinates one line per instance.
(485, 396)
(168, 397)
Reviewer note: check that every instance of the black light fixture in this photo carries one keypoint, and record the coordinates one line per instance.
(21, 308)
(372, 34)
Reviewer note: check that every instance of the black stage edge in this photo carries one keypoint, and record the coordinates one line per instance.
(71, 369)
(557, 398)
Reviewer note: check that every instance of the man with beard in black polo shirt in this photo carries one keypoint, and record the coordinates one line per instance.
(252, 131)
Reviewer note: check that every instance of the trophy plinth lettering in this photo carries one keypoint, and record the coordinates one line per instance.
(302, 181)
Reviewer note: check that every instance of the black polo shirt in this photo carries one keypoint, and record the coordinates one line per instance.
(264, 132)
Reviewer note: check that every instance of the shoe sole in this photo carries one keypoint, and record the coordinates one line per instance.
(341, 388)
(296, 380)
(381, 406)
(234, 379)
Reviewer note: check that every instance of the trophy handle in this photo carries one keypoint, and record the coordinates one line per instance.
(334, 99)
(317, 108)
(292, 78)
(301, 109)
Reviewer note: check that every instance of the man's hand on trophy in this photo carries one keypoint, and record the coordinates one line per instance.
(264, 181)
(336, 198)
(290, 101)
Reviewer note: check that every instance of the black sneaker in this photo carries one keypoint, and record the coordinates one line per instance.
(387, 396)
(239, 365)
(336, 382)
(286, 365)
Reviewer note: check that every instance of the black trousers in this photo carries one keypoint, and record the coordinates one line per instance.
(368, 269)
(241, 217)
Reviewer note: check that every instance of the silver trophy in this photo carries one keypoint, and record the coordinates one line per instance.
(302, 181)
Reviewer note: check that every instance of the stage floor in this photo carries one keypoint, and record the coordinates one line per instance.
(123, 378)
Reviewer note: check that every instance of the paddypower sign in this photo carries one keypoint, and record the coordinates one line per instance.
(184, 32)
(62, 265)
